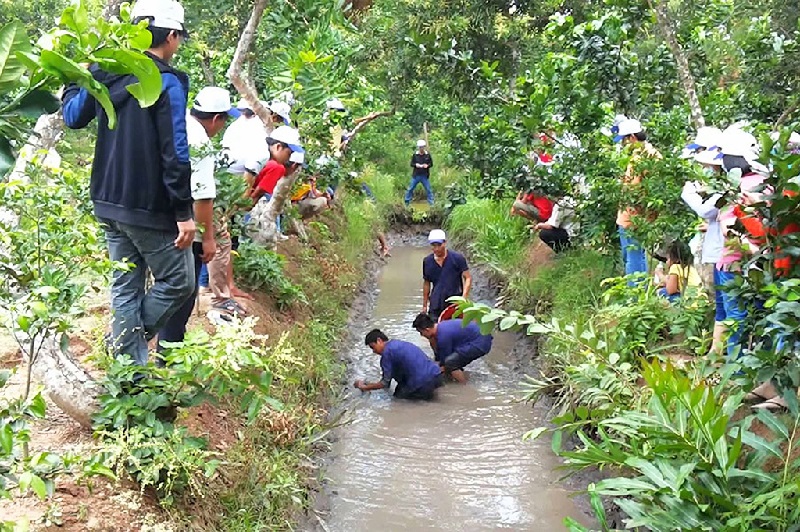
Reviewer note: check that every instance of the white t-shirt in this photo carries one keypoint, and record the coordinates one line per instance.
(563, 216)
(246, 142)
(203, 185)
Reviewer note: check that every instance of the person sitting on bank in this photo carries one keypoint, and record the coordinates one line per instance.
(681, 273)
(556, 231)
(417, 376)
(532, 206)
(445, 274)
(455, 345)
(309, 200)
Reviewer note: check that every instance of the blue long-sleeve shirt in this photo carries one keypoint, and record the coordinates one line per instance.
(408, 365)
(453, 337)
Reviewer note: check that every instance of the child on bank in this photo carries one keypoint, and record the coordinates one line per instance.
(681, 274)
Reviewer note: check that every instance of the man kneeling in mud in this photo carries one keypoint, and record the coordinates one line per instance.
(454, 344)
(417, 375)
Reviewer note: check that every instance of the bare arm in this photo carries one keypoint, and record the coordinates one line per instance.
(466, 277)
(672, 284)
(368, 387)
(426, 295)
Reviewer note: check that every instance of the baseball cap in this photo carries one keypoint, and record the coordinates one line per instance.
(437, 236)
(629, 126)
(298, 157)
(614, 129)
(282, 109)
(167, 14)
(289, 136)
(335, 104)
(215, 100)
(707, 137)
(421, 143)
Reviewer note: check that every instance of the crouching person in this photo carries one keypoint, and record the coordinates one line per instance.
(454, 344)
(417, 375)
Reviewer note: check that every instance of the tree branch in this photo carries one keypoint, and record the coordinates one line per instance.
(242, 84)
(361, 123)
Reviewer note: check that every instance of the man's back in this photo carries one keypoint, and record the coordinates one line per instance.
(141, 171)
(407, 364)
(452, 335)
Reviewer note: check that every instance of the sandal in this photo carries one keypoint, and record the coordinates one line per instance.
(232, 307)
(776, 404)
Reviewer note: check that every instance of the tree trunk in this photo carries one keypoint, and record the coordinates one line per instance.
(243, 85)
(684, 72)
(111, 8)
(208, 72)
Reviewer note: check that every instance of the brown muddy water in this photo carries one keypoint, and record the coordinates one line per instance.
(455, 464)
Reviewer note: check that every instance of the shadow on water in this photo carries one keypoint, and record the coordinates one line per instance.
(456, 464)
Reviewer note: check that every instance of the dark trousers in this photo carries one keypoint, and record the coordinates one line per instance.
(425, 393)
(175, 328)
(557, 238)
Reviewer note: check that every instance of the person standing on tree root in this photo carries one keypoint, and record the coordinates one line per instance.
(454, 344)
(445, 274)
(421, 164)
(140, 185)
(417, 376)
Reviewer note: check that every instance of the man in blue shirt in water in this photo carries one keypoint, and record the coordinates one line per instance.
(417, 375)
(445, 274)
(454, 344)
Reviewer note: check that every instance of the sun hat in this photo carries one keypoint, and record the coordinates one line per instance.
(739, 143)
(707, 137)
(282, 109)
(631, 126)
(215, 100)
(437, 236)
(289, 136)
(166, 14)
(708, 157)
(614, 129)
(421, 143)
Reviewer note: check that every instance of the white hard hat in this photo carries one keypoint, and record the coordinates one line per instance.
(167, 14)
(289, 136)
(707, 137)
(740, 143)
(335, 104)
(421, 143)
(437, 236)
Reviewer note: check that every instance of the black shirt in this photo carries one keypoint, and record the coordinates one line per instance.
(421, 158)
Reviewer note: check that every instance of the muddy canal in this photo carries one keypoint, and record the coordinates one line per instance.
(456, 464)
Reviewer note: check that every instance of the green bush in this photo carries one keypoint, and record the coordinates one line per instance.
(259, 268)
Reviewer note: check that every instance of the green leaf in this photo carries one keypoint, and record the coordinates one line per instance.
(70, 71)
(13, 40)
(7, 157)
(148, 89)
(534, 434)
(773, 423)
(36, 103)
(38, 486)
(507, 323)
(6, 439)
(38, 407)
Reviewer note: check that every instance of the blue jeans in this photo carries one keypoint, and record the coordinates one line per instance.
(426, 184)
(633, 257)
(174, 330)
(138, 315)
(202, 279)
(672, 298)
(735, 311)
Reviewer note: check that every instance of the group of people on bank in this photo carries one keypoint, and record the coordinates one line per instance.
(455, 345)
(155, 187)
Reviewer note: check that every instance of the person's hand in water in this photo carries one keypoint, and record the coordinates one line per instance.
(358, 384)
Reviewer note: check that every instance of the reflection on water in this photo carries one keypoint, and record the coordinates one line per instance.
(456, 464)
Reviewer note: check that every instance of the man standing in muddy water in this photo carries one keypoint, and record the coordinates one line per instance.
(454, 344)
(445, 274)
(417, 376)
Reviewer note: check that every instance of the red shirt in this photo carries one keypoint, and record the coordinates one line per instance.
(269, 176)
(544, 205)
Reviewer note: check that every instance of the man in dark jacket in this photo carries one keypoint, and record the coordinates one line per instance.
(140, 185)
(421, 164)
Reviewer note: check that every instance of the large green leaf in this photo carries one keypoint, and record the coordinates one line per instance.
(13, 40)
(7, 157)
(36, 103)
(121, 61)
(70, 71)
